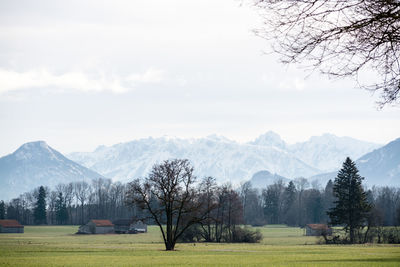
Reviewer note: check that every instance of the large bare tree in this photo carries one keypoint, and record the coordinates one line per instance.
(169, 195)
(339, 37)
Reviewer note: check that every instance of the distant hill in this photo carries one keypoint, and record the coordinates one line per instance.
(382, 166)
(35, 164)
(262, 179)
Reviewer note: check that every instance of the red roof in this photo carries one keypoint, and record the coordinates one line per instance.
(11, 224)
(318, 226)
(102, 223)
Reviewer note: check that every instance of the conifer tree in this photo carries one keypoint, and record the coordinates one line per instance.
(350, 206)
(39, 212)
(61, 209)
(2, 210)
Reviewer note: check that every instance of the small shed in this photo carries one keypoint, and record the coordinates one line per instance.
(318, 230)
(11, 226)
(97, 227)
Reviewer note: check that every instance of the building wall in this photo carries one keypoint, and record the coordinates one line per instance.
(121, 228)
(11, 230)
(104, 230)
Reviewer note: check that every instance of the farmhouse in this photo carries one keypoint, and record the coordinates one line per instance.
(97, 227)
(125, 226)
(11, 226)
(318, 229)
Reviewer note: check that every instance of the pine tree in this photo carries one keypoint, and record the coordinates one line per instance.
(39, 212)
(61, 209)
(2, 210)
(289, 196)
(350, 206)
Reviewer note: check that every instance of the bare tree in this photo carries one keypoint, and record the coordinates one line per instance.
(208, 192)
(82, 192)
(338, 37)
(175, 206)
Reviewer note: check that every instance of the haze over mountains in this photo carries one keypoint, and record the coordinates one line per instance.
(263, 160)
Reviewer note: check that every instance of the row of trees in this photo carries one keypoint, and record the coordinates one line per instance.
(72, 203)
(294, 204)
(190, 210)
(298, 203)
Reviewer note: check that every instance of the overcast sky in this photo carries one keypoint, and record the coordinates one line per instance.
(79, 74)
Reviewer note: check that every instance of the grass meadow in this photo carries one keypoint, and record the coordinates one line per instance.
(281, 246)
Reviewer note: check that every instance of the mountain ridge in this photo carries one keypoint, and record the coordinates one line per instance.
(34, 164)
(221, 157)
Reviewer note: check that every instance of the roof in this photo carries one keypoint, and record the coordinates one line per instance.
(102, 223)
(318, 226)
(11, 224)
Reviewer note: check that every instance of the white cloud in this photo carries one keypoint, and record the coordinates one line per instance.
(79, 81)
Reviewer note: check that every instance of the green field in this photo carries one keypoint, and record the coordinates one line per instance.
(282, 246)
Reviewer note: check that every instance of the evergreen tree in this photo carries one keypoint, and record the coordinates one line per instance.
(289, 208)
(289, 196)
(328, 199)
(350, 206)
(2, 210)
(61, 209)
(39, 212)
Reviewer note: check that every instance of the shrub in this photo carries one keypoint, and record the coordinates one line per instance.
(245, 235)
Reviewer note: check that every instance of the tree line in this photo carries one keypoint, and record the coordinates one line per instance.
(72, 203)
(188, 209)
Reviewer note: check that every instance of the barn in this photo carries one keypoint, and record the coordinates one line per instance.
(11, 226)
(318, 230)
(97, 227)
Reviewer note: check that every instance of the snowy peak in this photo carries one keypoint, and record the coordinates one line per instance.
(34, 164)
(35, 151)
(270, 139)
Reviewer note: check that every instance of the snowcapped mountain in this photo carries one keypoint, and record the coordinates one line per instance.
(381, 166)
(327, 152)
(35, 164)
(222, 158)
(217, 156)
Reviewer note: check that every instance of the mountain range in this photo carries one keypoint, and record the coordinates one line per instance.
(266, 159)
(225, 159)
